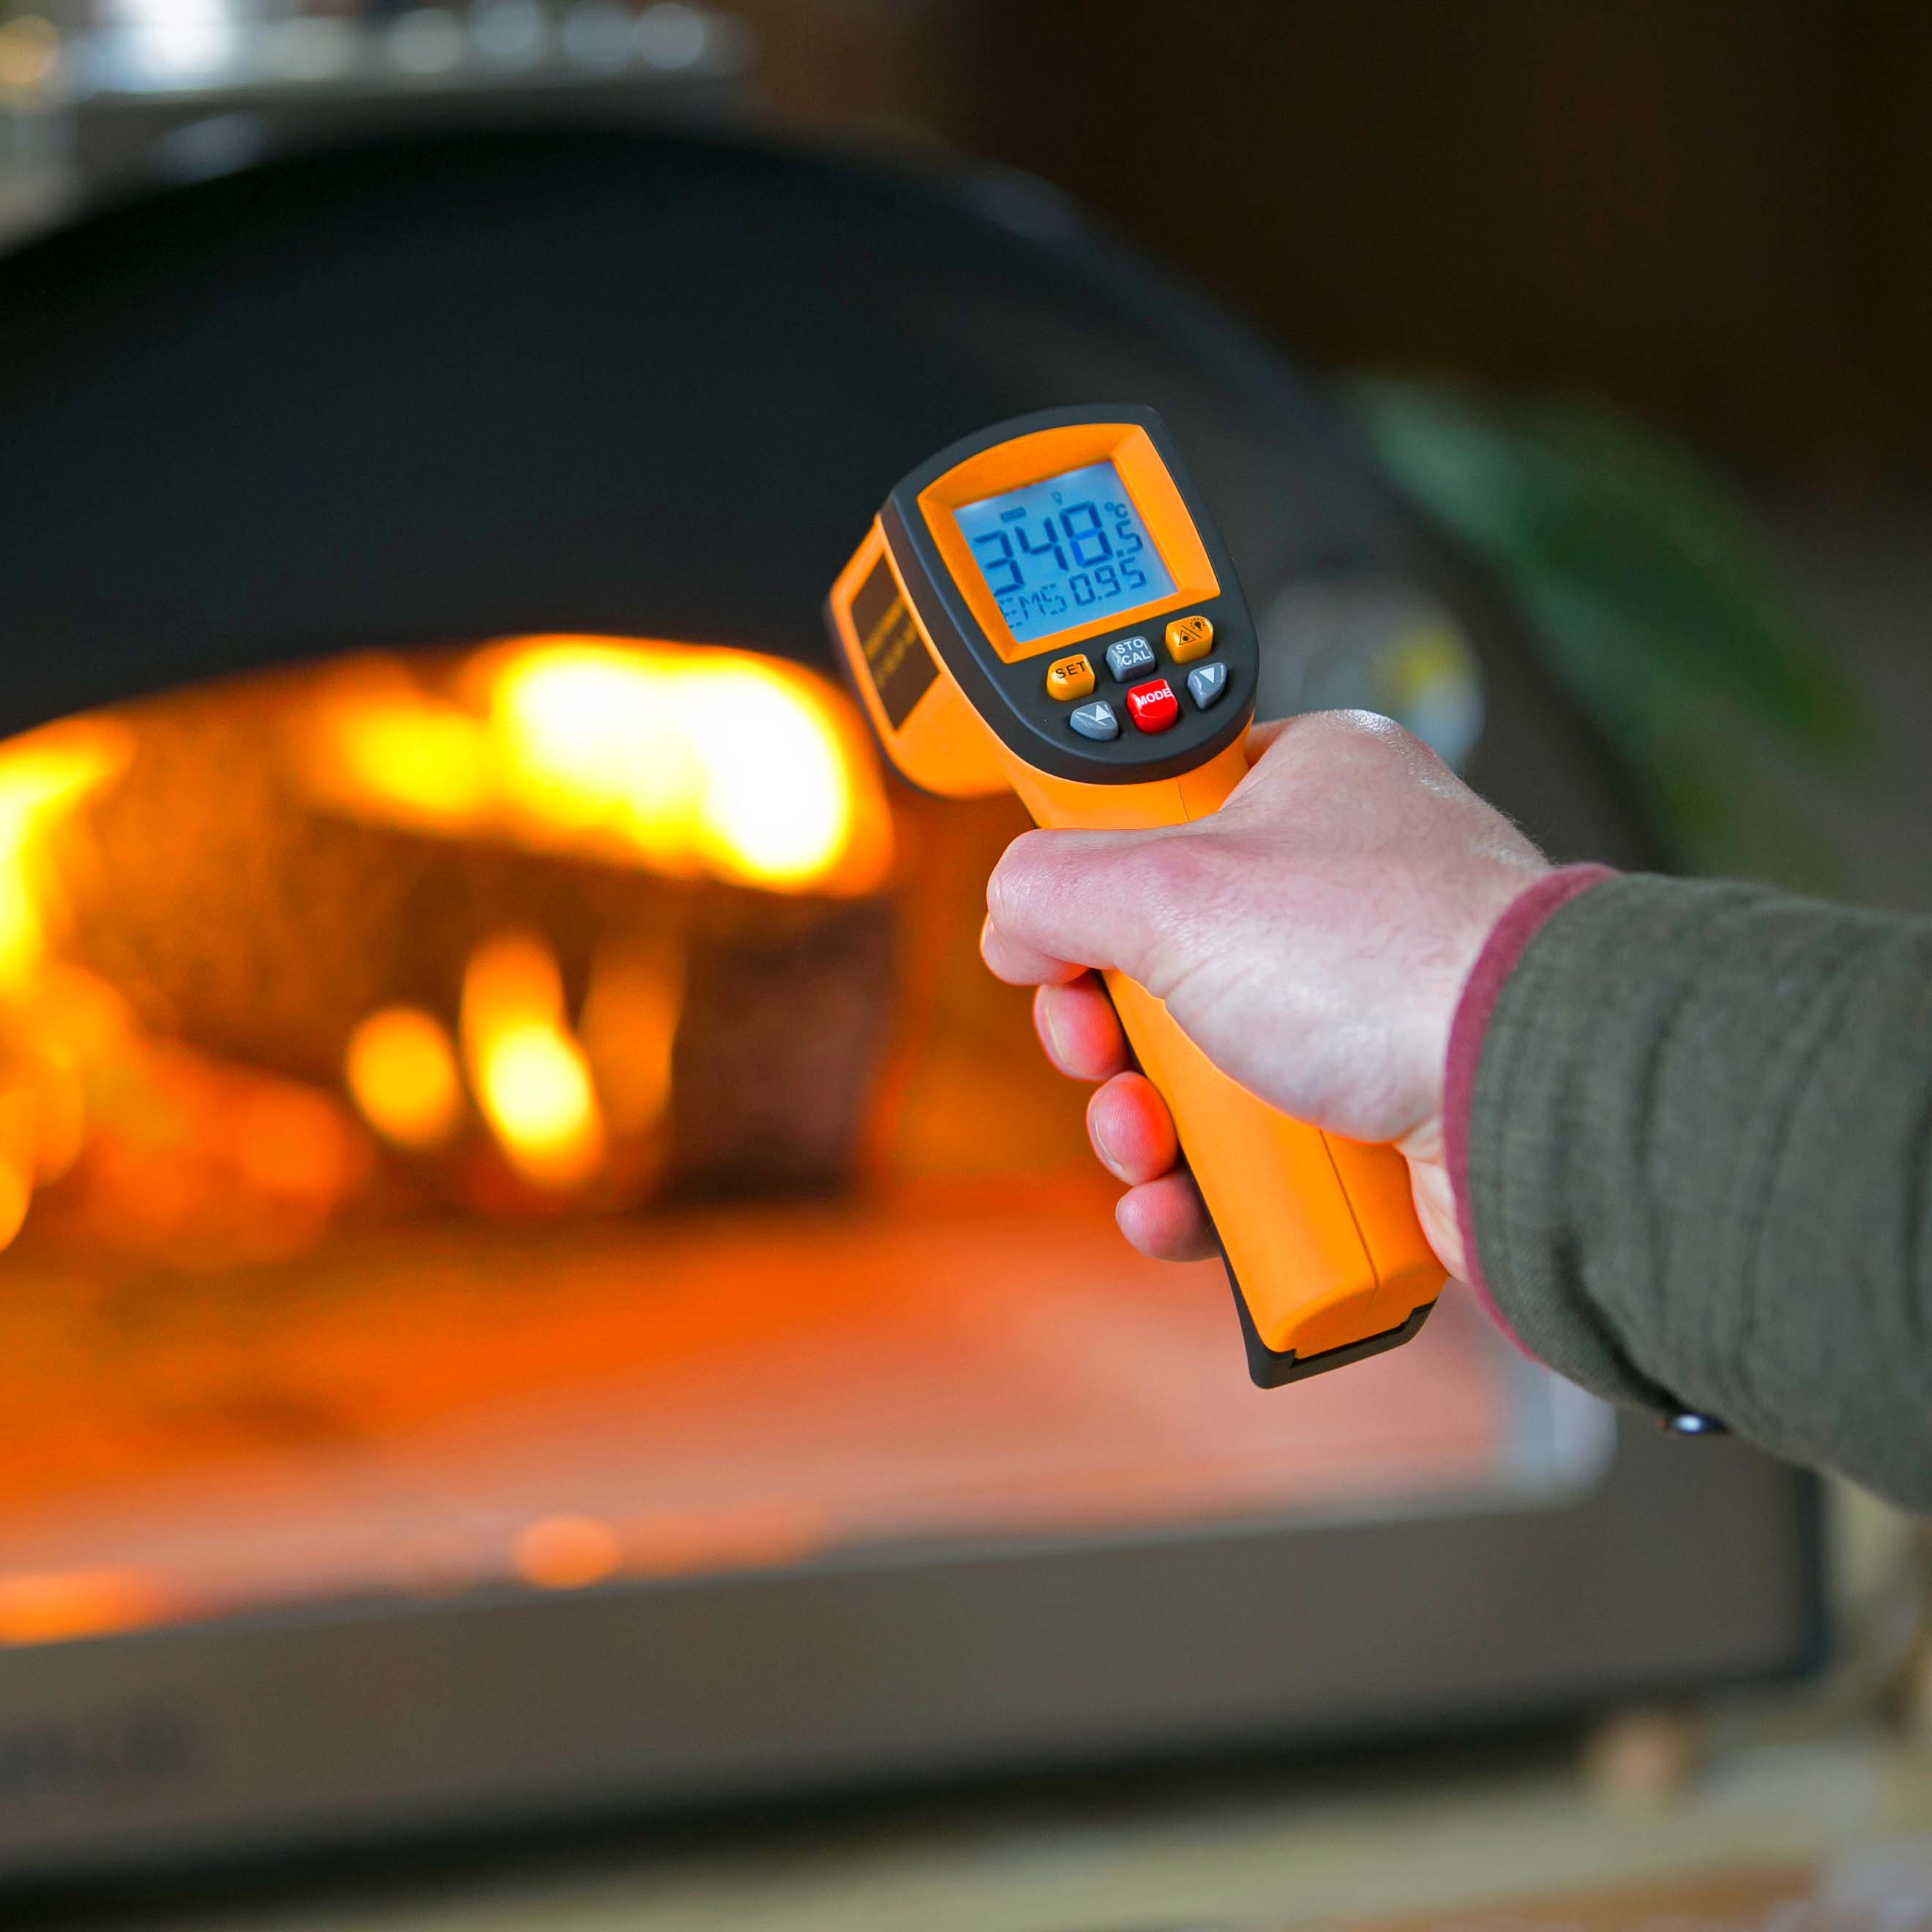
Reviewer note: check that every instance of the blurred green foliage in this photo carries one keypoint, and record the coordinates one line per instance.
(1659, 607)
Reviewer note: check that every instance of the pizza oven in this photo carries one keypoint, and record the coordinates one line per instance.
(540, 1273)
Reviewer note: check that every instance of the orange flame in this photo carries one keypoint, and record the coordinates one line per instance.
(679, 758)
(43, 775)
(630, 1031)
(430, 762)
(401, 1071)
(529, 1076)
(689, 762)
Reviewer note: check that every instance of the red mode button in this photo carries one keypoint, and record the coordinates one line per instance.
(1154, 706)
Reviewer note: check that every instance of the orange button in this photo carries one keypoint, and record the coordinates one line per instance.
(1068, 678)
(1189, 638)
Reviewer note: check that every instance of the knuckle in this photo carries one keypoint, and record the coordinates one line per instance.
(1171, 871)
(1368, 734)
(1366, 747)
(1015, 878)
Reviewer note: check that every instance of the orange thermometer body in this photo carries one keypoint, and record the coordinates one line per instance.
(1047, 607)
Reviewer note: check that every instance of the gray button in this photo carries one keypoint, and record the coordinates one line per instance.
(1094, 720)
(1206, 682)
(1126, 655)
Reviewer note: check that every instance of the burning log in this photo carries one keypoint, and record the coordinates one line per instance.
(257, 894)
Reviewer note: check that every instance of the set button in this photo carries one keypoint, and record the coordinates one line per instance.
(1095, 720)
(1189, 638)
(1154, 706)
(1070, 678)
(1127, 657)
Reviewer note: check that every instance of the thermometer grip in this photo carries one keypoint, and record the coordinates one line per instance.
(1327, 1259)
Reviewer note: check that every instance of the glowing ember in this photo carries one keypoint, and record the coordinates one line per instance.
(401, 1069)
(530, 1077)
(54, 1607)
(630, 1029)
(566, 1552)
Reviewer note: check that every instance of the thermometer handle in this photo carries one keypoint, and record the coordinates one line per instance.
(1327, 1259)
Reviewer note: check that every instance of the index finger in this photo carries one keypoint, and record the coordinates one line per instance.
(1061, 901)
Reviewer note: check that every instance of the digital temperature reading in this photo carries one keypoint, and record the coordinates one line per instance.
(1064, 551)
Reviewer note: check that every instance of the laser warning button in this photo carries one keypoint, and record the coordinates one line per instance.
(1205, 684)
(1095, 720)
(1153, 707)
(1126, 657)
(1189, 638)
(1070, 678)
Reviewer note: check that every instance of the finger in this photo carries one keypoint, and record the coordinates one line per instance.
(1060, 897)
(1132, 1130)
(1166, 1220)
(1020, 965)
(1079, 1029)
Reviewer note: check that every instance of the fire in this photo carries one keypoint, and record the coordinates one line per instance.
(706, 757)
(162, 1113)
(43, 775)
(548, 1099)
(16, 1196)
(630, 1031)
(594, 738)
(401, 1070)
(529, 1076)
(433, 763)
(682, 759)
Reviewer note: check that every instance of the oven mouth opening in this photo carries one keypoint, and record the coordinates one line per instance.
(531, 1114)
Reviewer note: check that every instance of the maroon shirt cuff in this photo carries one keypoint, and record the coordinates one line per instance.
(1506, 944)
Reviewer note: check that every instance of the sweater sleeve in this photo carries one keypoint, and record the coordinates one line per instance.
(1696, 1163)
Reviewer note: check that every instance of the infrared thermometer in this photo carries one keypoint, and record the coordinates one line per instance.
(1047, 607)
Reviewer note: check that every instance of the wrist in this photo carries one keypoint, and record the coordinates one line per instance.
(1508, 939)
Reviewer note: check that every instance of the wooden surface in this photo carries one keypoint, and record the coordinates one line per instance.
(1777, 1833)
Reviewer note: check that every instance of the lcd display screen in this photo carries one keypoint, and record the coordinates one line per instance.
(1064, 551)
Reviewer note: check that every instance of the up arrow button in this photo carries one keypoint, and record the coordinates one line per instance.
(1095, 720)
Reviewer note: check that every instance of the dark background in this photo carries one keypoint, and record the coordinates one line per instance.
(1712, 212)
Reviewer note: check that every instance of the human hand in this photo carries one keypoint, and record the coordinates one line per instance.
(1312, 938)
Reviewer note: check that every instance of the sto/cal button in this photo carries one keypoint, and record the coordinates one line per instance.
(1189, 638)
(1153, 707)
(1068, 678)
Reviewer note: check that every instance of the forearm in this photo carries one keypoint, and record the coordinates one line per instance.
(1698, 1165)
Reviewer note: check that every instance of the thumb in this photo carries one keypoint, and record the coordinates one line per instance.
(1060, 902)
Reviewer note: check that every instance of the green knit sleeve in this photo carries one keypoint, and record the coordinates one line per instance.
(1699, 1165)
